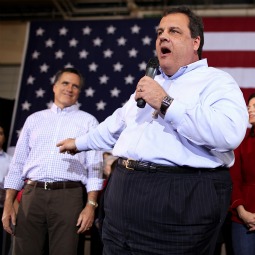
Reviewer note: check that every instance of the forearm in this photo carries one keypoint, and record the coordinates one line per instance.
(105, 135)
(92, 198)
(240, 210)
(10, 196)
(218, 124)
(246, 216)
(213, 128)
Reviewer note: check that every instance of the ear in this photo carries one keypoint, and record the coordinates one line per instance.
(196, 43)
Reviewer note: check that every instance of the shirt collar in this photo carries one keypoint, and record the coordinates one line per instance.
(71, 108)
(185, 69)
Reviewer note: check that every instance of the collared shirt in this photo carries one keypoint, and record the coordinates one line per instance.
(5, 160)
(36, 156)
(205, 122)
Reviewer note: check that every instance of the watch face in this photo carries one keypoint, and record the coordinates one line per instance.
(165, 104)
(95, 204)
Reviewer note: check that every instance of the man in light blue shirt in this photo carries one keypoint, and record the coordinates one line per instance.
(52, 205)
(170, 191)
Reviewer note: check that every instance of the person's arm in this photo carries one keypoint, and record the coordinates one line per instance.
(247, 217)
(237, 180)
(93, 165)
(219, 125)
(9, 213)
(87, 216)
(237, 199)
(14, 180)
(103, 137)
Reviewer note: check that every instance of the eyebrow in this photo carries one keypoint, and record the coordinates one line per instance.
(73, 84)
(172, 27)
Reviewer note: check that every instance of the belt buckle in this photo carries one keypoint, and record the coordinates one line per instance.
(126, 164)
(45, 185)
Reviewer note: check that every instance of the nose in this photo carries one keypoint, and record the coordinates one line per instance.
(251, 112)
(250, 109)
(163, 37)
(69, 87)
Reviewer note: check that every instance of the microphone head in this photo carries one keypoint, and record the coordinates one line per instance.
(152, 67)
(153, 63)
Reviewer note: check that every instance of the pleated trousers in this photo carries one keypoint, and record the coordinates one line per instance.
(164, 213)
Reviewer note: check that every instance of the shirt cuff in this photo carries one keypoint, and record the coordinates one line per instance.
(236, 203)
(175, 113)
(94, 184)
(81, 143)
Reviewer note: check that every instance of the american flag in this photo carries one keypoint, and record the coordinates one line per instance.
(113, 54)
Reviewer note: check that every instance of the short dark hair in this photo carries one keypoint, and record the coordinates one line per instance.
(2, 126)
(252, 132)
(251, 96)
(69, 70)
(196, 25)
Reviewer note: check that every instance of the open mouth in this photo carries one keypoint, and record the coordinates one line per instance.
(165, 50)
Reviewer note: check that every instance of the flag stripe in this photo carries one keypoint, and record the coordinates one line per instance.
(245, 77)
(230, 58)
(230, 41)
(233, 24)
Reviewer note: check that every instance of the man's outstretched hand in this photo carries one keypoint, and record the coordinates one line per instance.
(67, 145)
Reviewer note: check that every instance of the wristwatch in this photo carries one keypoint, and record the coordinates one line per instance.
(166, 102)
(93, 203)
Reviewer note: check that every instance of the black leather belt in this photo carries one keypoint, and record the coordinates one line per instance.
(134, 165)
(54, 185)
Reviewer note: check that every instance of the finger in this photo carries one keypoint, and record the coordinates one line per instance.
(8, 229)
(60, 143)
(62, 150)
(84, 227)
(81, 230)
(61, 147)
(79, 221)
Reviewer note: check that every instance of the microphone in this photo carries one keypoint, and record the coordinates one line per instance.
(151, 71)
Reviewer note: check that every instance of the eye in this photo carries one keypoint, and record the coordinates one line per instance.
(173, 31)
(159, 32)
(76, 87)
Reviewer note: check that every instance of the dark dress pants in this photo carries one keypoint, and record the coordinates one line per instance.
(162, 213)
(46, 220)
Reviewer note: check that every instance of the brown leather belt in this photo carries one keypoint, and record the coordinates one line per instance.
(54, 185)
(134, 165)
